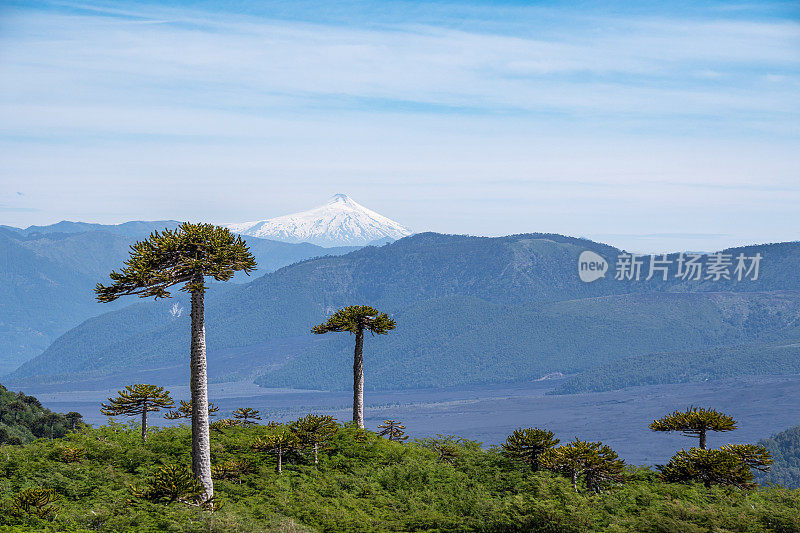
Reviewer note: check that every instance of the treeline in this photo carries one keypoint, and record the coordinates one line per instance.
(23, 419)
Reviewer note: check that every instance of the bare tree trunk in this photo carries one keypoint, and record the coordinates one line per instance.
(358, 380)
(144, 422)
(280, 460)
(201, 440)
(575, 480)
(702, 439)
(316, 453)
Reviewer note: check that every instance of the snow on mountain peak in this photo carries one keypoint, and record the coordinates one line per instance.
(340, 222)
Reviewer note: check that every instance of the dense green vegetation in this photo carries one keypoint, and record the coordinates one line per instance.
(23, 419)
(785, 450)
(107, 479)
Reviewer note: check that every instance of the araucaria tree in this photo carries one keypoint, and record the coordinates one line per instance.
(356, 319)
(729, 465)
(136, 400)
(247, 416)
(185, 255)
(527, 445)
(392, 430)
(314, 432)
(74, 419)
(695, 422)
(277, 442)
(597, 464)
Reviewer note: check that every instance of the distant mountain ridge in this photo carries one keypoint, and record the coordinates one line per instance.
(469, 310)
(136, 228)
(340, 222)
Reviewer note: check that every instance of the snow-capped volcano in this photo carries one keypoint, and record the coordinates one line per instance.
(340, 222)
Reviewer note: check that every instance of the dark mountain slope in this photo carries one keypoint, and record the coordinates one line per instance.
(135, 229)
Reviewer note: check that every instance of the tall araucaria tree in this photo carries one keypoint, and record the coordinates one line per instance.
(356, 319)
(136, 400)
(185, 255)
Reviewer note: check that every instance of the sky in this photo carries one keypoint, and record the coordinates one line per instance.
(650, 125)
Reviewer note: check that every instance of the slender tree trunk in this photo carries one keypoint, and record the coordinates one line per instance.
(201, 440)
(575, 481)
(280, 460)
(702, 439)
(144, 422)
(316, 453)
(358, 380)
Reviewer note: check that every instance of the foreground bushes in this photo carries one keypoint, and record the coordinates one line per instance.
(361, 483)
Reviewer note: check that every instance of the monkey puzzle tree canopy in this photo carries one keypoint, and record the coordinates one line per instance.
(753, 455)
(314, 431)
(527, 445)
(247, 415)
(138, 399)
(695, 422)
(392, 430)
(177, 256)
(595, 462)
(278, 441)
(730, 465)
(355, 319)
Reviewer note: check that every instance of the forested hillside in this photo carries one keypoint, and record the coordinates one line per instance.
(785, 450)
(23, 419)
(458, 341)
(469, 310)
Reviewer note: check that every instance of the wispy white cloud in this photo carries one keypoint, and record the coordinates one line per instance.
(637, 66)
(664, 122)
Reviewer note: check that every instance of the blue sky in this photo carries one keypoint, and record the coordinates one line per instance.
(650, 125)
